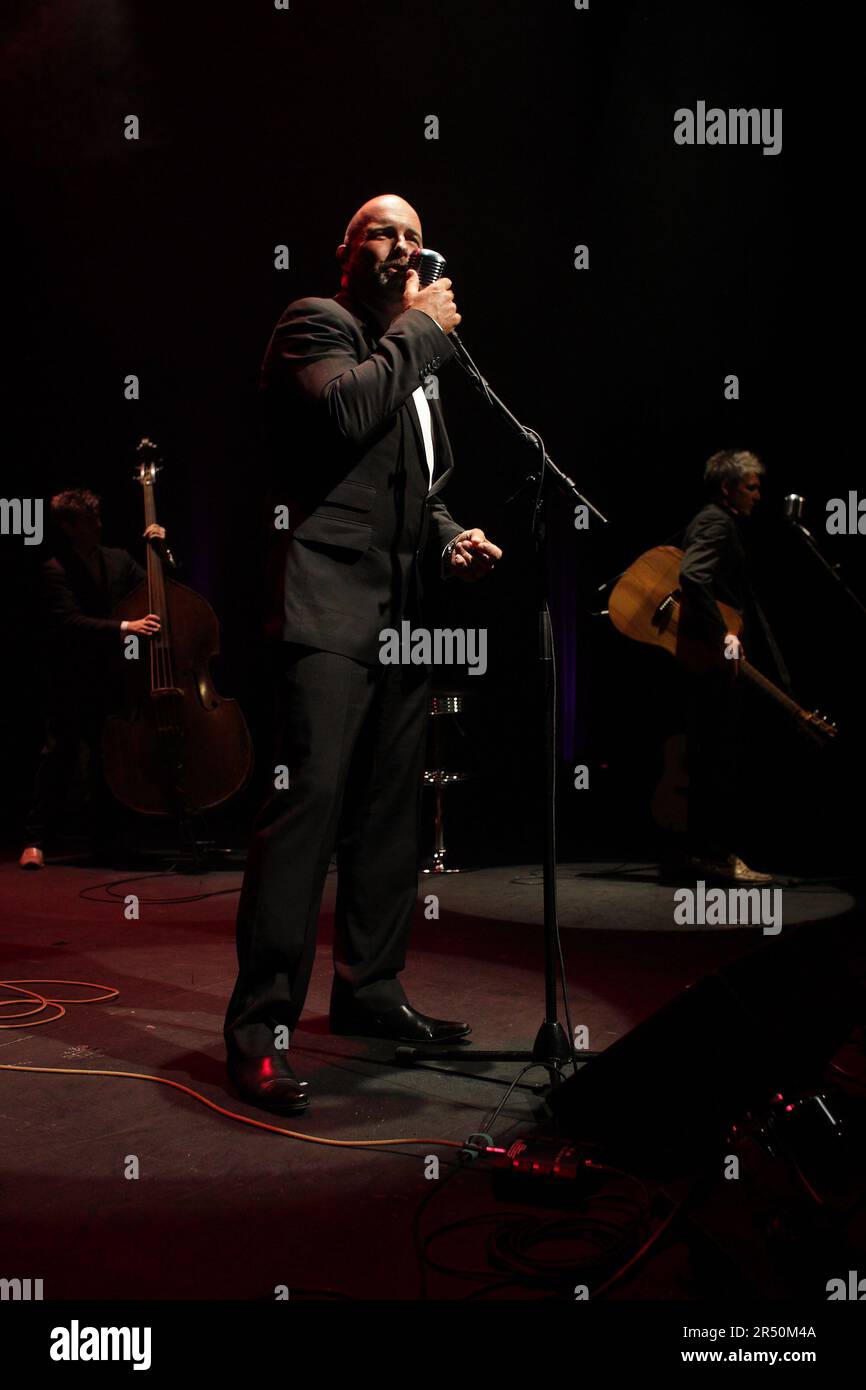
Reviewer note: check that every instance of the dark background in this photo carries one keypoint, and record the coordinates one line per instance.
(261, 127)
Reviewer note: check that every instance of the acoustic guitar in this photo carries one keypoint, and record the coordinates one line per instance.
(646, 606)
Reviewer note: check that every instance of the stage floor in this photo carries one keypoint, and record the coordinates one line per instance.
(223, 1210)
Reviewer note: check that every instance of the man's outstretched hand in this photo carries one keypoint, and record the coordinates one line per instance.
(473, 555)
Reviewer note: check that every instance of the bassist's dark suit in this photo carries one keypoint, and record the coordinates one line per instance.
(351, 468)
(79, 679)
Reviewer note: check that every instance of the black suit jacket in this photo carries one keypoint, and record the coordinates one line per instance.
(349, 463)
(715, 566)
(82, 637)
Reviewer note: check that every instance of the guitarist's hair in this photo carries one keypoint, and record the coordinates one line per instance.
(730, 465)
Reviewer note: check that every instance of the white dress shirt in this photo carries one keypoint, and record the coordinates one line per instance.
(423, 407)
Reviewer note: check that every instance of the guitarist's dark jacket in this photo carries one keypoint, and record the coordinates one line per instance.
(349, 463)
(715, 567)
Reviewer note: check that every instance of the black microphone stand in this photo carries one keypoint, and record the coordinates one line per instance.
(553, 1047)
(833, 570)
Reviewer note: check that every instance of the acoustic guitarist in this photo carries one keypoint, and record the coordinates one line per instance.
(715, 567)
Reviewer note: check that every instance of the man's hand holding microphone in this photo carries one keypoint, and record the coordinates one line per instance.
(436, 300)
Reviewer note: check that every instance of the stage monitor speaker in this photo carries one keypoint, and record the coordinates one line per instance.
(769, 1021)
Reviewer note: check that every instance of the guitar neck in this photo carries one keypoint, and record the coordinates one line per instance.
(768, 688)
(645, 605)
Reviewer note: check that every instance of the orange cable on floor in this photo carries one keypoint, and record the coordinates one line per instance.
(43, 1000)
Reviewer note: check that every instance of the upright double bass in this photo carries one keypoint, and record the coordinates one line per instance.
(177, 748)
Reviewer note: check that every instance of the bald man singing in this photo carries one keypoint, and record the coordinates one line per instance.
(361, 456)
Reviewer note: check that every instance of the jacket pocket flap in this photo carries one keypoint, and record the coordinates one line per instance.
(335, 530)
(357, 496)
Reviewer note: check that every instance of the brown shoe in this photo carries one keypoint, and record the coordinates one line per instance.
(743, 874)
(32, 858)
(730, 870)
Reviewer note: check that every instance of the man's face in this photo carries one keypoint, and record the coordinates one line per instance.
(744, 494)
(83, 529)
(384, 234)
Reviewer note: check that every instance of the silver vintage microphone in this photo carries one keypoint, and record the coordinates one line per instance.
(430, 266)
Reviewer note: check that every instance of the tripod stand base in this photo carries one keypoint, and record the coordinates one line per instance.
(550, 1050)
(408, 1056)
(551, 1044)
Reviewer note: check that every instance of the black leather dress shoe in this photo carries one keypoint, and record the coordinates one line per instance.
(402, 1024)
(270, 1083)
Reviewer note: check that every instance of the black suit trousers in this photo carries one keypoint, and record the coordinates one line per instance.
(71, 731)
(353, 744)
(714, 756)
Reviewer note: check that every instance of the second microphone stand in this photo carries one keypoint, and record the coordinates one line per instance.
(793, 511)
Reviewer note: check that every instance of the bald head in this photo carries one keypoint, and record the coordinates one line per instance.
(386, 208)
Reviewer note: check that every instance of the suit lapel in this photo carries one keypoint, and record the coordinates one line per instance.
(442, 459)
